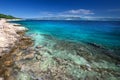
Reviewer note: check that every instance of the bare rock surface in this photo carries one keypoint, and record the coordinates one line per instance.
(13, 42)
(8, 35)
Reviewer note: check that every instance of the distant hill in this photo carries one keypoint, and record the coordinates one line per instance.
(7, 16)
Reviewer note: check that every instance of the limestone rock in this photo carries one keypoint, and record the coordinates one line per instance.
(8, 63)
(8, 35)
(29, 56)
(1, 78)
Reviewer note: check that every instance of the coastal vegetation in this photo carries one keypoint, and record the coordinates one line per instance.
(7, 16)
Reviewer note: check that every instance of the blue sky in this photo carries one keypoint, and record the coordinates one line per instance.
(49, 8)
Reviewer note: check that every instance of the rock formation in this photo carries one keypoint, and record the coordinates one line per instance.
(8, 35)
(12, 42)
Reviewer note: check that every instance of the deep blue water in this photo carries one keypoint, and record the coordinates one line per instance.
(105, 33)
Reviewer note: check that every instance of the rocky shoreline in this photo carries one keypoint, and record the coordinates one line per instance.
(12, 42)
(9, 35)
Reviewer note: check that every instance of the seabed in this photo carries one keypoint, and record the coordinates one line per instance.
(64, 60)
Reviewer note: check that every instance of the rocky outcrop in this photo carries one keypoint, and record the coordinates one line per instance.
(9, 36)
(13, 44)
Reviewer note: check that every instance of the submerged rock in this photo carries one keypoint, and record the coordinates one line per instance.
(29, 56)
(8, 63)
(38, 47)
(23, 76)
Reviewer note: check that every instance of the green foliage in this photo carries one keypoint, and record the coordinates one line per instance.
(7, 16)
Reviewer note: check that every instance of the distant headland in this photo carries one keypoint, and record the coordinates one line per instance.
(9, 17)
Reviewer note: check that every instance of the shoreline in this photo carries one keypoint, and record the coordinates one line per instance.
(12, 42)
(9, 35)
(14, 19)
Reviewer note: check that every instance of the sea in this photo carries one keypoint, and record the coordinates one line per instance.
(73, 50)
(105, 34)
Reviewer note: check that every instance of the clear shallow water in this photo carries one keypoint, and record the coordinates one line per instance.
(64, 48)
(105, 33)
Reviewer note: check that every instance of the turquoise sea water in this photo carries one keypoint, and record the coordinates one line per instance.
(74, 50)
(103, 33)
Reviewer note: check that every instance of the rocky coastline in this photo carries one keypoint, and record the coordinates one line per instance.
(12, 43)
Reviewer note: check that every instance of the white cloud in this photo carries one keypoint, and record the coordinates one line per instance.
(69, 13)
(80, 12)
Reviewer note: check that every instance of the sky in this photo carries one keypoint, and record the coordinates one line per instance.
(58, 8)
